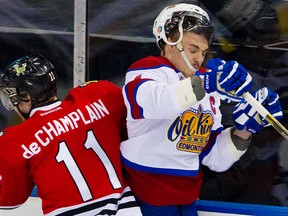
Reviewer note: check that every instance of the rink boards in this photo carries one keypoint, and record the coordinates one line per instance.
(205, 208)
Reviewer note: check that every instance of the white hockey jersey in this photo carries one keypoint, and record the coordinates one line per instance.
(165, 137)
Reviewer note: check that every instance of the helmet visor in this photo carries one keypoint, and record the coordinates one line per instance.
(6, 94)
(192, 22)
(199, 25)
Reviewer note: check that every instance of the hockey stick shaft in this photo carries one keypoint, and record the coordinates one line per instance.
(265, 114)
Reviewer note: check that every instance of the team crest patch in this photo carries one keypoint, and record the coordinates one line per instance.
(193, 129)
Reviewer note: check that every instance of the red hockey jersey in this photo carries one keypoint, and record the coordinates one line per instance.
(70, 151)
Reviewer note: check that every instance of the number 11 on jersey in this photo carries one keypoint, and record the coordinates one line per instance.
(65, 156)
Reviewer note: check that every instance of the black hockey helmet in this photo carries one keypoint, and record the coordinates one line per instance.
(31, 74)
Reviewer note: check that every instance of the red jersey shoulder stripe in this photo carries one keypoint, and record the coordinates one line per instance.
(151, 62)
(131, 91)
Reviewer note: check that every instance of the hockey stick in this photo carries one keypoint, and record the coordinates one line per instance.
(265, 114)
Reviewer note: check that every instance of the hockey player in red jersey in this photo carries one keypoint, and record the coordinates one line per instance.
(174, 120)
(69, 150)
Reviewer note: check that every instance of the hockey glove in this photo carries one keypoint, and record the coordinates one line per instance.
(244, 115)
(227, 79)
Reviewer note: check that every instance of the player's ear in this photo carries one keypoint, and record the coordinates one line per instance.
(25, 97)
(168, 49)
(25, 103)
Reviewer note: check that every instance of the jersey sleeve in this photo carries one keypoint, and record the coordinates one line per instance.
(156, 93)
(223, 154)
(220, 152)
(15, 183)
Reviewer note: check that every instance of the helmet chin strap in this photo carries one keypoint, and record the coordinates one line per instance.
(180, 47)
(181, 50)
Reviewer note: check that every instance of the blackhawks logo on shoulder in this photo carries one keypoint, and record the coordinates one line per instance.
(87, 83)
(2, 133)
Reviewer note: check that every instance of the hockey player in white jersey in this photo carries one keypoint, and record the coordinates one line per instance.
(174, 121)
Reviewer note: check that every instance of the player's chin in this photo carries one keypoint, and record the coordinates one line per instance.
(196, 66)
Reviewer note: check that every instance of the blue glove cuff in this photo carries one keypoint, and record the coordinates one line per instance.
(210, 82)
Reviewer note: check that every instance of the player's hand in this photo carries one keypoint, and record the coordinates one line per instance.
(228, 80)
(245, 116)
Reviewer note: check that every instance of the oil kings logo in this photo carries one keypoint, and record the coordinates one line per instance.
(193, 129)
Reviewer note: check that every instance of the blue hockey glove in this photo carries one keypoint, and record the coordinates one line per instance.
(229, 80)
(244, 115)
(214, 63)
